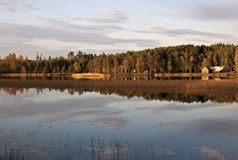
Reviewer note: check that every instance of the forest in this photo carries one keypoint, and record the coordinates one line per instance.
(174, 59)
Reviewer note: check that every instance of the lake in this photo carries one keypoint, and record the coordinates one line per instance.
(118, 120)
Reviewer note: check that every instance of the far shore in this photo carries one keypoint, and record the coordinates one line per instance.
(225, 75)
(66, 75)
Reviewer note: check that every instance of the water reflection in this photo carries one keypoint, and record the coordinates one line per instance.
(86, 121)
(181, 90)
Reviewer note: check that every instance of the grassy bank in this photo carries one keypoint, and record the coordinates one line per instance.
(225, 75)
(57, 75)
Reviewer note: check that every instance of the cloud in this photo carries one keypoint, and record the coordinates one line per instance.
(15, 5)
(30, 32)
(203, 10)
(193, 36)
(217, 11)
(188, 32)
(86, 28)
(31, 38)
(113, 16)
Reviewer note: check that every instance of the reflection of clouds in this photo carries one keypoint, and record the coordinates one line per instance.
(163, 151)
(213, 153)
(180, 107)
(22, 108)
(215, 125)
(114, 112)
(46, 96)
(90, 107)
(111, 122)
(138, 104)
(54, 106)
(108, 152)
(40, 151)
(81, 112)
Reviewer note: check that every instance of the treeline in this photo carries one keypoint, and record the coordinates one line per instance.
(175, 59)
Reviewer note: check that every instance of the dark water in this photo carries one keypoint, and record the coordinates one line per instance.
(58, 124)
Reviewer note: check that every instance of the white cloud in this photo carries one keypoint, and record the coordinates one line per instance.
(190, 32)
(113, 16)
(217, 11)
(62, 36)
(113, 27)
(203, 10)
(15, 5)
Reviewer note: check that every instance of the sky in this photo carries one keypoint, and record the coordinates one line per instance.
(55, 27)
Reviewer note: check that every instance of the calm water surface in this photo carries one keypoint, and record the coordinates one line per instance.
(53, 124)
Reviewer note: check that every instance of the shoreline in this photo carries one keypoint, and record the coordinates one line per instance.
(107, 76)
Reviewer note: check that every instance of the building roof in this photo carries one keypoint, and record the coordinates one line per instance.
(216, 68)
(213, 69)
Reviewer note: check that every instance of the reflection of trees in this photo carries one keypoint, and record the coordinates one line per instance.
(13, 91)
(172, 90)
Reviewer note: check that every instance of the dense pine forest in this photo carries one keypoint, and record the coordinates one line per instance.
(175, 59)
